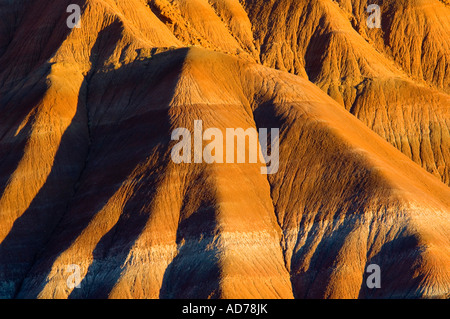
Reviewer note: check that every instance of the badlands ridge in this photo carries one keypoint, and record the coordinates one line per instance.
(86, 176)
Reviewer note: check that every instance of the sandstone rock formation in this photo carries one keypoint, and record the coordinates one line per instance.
(86, 176)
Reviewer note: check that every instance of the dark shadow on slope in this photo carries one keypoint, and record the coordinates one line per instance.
(266, 116)
(399, 262)
(13, 147)
(313, 282)
(142, 137)
(315, 52)
(195, 272)
(41, 28)
(111, 252)
(15, 106)
(88, 198)
(32, 229)
(129, 143)
(36, 225)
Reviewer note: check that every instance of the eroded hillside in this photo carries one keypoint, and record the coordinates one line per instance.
(86, 176)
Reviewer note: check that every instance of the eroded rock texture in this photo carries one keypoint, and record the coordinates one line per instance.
(86, 175)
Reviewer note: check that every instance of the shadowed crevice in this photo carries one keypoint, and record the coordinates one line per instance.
(131, 140)
(112, 251)
(399, 262)
(195, 272)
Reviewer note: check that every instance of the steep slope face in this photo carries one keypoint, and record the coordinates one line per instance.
(413, 33)
(221, 25)
(329, 43)
(44, 128)
(38, 104)
(155, 229)
(332, 229)
(332, 46)
(88, 180)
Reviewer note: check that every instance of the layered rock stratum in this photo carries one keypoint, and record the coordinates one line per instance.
(87, 179)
